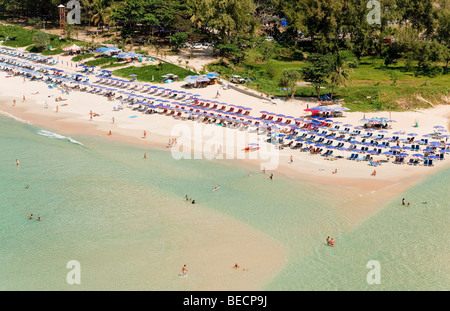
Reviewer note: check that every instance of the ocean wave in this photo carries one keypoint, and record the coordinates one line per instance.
(57, 136)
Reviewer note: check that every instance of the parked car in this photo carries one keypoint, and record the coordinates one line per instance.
(197, 46)
(207, 45)
(237, 79)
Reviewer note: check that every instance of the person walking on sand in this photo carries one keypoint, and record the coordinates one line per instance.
(374, 173)
(113, 120)
(14, 102)
(291, 160)
(145, 134)
(57, 108)
(23, 99)
(184, 270)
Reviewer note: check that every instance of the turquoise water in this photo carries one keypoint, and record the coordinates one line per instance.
(106, 206)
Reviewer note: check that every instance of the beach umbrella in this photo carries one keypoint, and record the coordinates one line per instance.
(428, 150)
(403, 154)
(438, 127)
(433, 157)
(388, 153)
(412, 134)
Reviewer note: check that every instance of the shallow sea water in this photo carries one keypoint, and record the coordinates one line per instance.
(102, 204)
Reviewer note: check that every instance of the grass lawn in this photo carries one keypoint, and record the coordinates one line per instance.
(101, 61)
(82, 56)
(153, 72)
(370, 87)
(21, 37)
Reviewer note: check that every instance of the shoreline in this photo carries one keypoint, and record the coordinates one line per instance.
(352, 178)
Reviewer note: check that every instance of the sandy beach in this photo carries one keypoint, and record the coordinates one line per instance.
(353, 181)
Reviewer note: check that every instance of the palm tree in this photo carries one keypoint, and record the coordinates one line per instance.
(341, 69)
(102, 12)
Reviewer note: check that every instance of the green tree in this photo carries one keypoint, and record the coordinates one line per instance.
(41, 40)
(178, 40)
(342, 63)
(229, 17)
(316, 71)
(289, 79)
(321, 20)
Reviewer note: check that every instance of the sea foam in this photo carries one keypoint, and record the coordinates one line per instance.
(57, 136)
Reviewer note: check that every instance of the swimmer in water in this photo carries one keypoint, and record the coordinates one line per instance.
(39, 218)
(31, 216)
(17, 162)
(217, 188)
